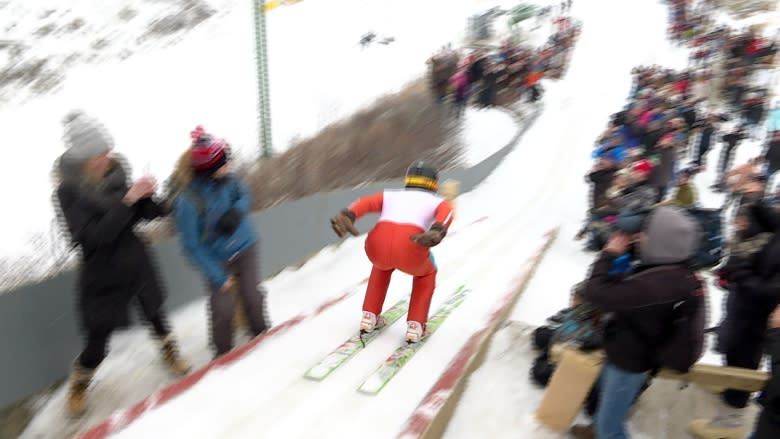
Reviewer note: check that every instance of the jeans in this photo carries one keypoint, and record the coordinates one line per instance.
(250, 292)
(618, 391)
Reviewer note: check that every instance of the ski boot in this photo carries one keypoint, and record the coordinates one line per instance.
(415, 331)
(173, 360)
(78, 383)
(371, 322)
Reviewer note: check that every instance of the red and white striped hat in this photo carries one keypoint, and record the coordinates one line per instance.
(207, 151)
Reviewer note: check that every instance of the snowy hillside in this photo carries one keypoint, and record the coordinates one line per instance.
(41, 41)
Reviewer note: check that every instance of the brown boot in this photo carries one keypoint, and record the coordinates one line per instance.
(582, 431)
(173, 360)
(78, 383)
(240, 322)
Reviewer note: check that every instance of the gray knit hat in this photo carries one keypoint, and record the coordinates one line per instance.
(672, 236)
(85, 137)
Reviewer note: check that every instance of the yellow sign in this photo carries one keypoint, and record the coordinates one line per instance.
(273, 4)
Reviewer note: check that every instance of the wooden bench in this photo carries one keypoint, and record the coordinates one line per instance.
(577, 372)
(710, 377)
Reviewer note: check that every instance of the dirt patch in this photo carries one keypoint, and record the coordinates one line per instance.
(45, 30)
(75, 25)
(375, 144)
(193, 12)
(127, 14)
(91, 38)
(13, 420)
(15, 417)
(32, 72)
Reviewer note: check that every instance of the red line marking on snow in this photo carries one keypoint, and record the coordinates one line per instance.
(422, 417)
(124, 417)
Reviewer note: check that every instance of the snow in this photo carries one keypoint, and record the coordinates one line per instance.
(537, 187)
(485, 132)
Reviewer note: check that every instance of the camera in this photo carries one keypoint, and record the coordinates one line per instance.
(710, 248)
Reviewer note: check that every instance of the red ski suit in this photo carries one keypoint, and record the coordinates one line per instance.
(403, 213)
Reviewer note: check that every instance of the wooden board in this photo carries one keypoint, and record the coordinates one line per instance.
(713, 378)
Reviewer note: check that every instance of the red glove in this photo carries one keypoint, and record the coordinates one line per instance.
(722, 281)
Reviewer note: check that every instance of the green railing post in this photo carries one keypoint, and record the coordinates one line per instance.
(264, 95)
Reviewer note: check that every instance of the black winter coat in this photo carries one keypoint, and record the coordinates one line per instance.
(769, 420)
(772, 154)
(754, 292)
(650, 140)
(706, 137)
(601, 179)
(116, 266)
(643, 307)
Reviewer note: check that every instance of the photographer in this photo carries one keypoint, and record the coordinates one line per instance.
(640, 337)
(751, 274)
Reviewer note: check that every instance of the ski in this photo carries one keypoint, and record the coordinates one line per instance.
(357, 342)
(393, 364)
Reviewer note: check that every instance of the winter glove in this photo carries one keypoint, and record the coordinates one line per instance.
(229, 222)
(722, 281)
(343, 223)
(432, 237)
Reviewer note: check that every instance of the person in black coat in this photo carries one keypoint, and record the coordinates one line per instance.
(768, 423)
(487, 95)
(771, 154)
(730, 142)
(707, 127)
(643, 306)
(751, 274)
(99, 209)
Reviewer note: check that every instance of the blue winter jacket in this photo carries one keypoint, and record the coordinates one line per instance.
(205, 246)
(617, 153)
(774, 120)
(623, 264)
(631, 141)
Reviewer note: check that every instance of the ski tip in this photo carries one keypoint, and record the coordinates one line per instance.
(314, 377)
(367, 392)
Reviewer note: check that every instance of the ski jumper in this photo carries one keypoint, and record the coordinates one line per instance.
(403, 213)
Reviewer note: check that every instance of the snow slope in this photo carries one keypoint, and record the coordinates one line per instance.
(482, 141)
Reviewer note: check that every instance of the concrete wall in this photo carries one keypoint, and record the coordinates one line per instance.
(39, 336)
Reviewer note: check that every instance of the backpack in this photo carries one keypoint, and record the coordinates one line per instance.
(684, 340)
